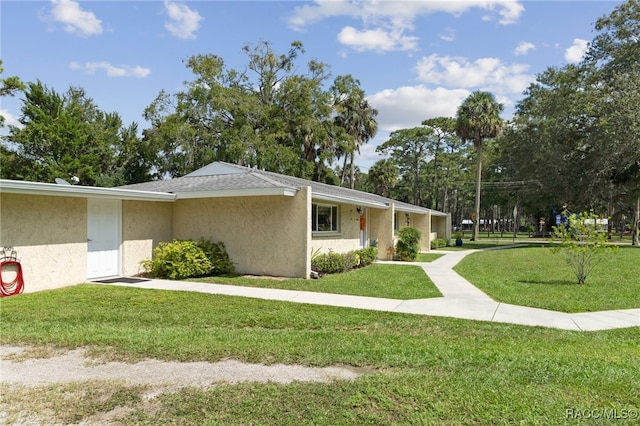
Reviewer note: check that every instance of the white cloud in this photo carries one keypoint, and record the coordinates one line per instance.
(524, 47)
(371, 11)
(74, 19)
(9, 119)
(404, 108)
(111, 70)
(484, 74)
(510, 11)
(377, 39)
(384, 21)
(183, 21)
(575, 53)
(408, 106)
(448, 34)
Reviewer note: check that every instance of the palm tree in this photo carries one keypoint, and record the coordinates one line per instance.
(479, 118)
(356, 117)
(383, 176)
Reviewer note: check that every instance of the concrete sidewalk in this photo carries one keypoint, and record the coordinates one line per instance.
(461, 300)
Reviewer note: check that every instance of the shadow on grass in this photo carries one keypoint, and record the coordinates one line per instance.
(549, 282)
(484, 245)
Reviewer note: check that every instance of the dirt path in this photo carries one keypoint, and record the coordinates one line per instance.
(17, 366)
(26, 375)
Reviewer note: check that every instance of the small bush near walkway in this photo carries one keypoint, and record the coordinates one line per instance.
(439, 243)
(182, 259)
(331, 263)
(408, 245)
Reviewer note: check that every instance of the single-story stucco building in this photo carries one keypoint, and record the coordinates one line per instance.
(271, 224)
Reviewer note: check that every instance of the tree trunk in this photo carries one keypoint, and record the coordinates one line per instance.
(344, 169)
(352, 173)
(636, 225)
(476, 221)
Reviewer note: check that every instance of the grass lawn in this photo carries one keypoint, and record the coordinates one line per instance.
(404, 282)
(491, 242)
(534, 276)
(424, 370)
(428, 257)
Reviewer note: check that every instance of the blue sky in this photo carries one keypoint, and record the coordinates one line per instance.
(415, 59)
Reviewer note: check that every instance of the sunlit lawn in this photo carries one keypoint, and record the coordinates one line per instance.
(428, 257)
(377, 280)
(421, 370)
(537, 277)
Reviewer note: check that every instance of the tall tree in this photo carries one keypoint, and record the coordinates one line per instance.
(478, 118)
(615, 48)
(66, 134)
(409, 149)
(382, 176)
(576, 130)
(613, 59)
(305, 110)
(10, 162)
(9, 87)
(269, 115)
(548, 141)
(444, 129)
(356, 116)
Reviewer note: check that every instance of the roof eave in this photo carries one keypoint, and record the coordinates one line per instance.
(250, 192)
(412, 210)
(51, 189)
(347, 200)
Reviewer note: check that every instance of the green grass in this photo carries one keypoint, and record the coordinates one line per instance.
(404, 282)
(484, 243)
(536, 277)
(428, 257)
(426, 370)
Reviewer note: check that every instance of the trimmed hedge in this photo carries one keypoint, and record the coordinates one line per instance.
(182, 259)
(332, 263)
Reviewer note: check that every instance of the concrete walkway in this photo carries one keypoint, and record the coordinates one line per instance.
(461, 300)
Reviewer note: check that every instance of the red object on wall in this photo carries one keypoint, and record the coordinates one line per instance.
(11, 280)
(363, 222)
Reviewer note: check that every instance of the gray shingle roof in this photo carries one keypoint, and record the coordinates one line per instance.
(221, 176)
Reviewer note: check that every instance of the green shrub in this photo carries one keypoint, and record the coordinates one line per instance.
(367, 255)
(351, 260)
(331, 263)
(408, 244)
(221, 263)
(182, 259)
(439, 243)
(582, 242)
(328, 263)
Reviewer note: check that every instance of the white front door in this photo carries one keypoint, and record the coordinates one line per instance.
(103, 238)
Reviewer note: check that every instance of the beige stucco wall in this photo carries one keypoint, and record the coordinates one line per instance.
(264, 235)
(50, 236)
(440, 225)
(381, 229)
(423, 223)
(144, 225)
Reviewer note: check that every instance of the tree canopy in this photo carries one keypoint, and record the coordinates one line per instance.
(478, 118)
(64, 135)
(576, 130)
(268, 116)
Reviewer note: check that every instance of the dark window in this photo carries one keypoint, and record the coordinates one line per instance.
(324, 218)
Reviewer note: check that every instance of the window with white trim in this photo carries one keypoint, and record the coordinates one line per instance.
(324, 218)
